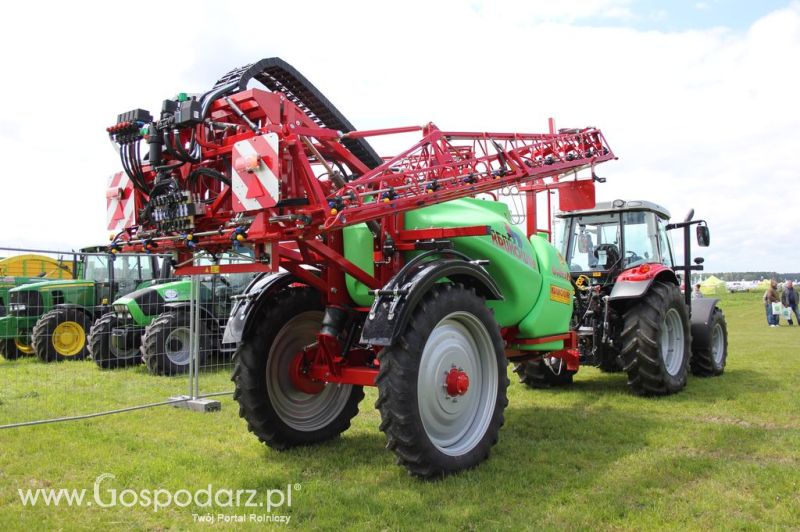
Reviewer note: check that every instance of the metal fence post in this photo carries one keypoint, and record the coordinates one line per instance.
(193, 400)
(192, 336)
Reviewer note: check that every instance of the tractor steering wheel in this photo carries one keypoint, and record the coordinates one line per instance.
(632, 257)
(612, 254)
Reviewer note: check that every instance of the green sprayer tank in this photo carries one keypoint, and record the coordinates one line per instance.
(531, 274)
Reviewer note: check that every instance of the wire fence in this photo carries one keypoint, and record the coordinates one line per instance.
(86, 333)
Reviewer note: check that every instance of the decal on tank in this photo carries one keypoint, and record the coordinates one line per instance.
(560, 295)
(513, 244)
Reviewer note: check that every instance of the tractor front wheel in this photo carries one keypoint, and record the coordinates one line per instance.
(61, 335)
(165, 343)
(710, 362)
(276, 411)
(104, 353)
(541, 373)
(442, 385)
(656, 342)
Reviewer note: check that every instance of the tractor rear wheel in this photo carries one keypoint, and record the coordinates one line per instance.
(541, 373)
(8, 349)
(61, 335)
(710, 362)
(102, 349)
(165, 343)
(442, 385)
(277, 412)
(656, 342)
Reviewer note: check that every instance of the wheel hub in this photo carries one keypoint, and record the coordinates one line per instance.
(177, 346)
(300, 410)
(68, 338)
(456, 382)
(300, 378)
(23, 346)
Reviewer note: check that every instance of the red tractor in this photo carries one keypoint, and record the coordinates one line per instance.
(401, 272)
(630, 314)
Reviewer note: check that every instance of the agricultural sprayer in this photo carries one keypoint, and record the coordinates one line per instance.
(401, 272)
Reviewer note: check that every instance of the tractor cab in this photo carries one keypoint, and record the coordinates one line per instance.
(614, 236)
(114, 276)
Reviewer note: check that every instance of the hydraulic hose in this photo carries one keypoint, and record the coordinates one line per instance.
(209, 172)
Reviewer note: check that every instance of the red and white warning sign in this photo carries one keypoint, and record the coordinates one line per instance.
(120, 208)
(255, 181)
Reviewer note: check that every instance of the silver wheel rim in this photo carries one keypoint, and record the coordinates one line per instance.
(297, 409)
(717, 344)
(672, 341)
(122, 353)
(176, 346)
(455, 425)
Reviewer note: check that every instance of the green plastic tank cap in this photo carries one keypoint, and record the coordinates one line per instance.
(182, 97)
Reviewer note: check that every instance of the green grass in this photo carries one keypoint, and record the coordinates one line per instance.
(722, 454)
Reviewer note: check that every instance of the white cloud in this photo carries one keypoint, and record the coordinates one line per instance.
(699, 118)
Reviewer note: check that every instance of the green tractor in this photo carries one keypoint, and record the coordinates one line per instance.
(152, 325)
(51, 318)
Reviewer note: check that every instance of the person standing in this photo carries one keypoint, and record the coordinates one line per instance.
(770, 297)
(697, 294)
(789, 299)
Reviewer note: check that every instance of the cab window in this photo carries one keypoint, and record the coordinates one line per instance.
(96, 268)
(641, 236)
(588, 233)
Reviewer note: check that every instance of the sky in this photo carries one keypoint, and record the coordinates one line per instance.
(697, 99)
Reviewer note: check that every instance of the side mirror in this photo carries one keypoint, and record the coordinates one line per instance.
(703, 236)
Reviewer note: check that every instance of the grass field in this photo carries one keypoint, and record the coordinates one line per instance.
(723, 454)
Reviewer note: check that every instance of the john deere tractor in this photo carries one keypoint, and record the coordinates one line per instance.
(629, 313)
(152, 325)
(51, 318)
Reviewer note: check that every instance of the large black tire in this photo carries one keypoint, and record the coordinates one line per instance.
(656, 342)
(105, 355)
(61, 335)
(165, 343)
(610, 361)
(537, 374)
(279, 414)
(710, 362)
(431, 432)
(8, 349)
